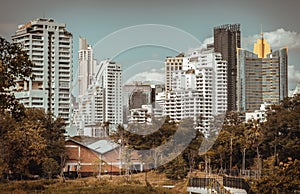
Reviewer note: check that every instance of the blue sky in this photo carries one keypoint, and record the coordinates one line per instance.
(96, 19)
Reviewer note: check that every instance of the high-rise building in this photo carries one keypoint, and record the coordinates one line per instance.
(262, 76)
(172, 64)
(49, 46)
(227, 38)
(199, 89)
(102, 101)
(86, 66)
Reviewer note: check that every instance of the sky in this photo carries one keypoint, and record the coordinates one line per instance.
(140, 34)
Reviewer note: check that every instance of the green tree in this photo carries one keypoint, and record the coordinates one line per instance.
(50, 167)
(282, 129)
(283, 179)
(14, 65)
(176, 169)
(24, 145)
(53, 136)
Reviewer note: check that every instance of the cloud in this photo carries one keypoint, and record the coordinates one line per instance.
(154, 76)
(293, 75)
(206, 41)
(277, 39)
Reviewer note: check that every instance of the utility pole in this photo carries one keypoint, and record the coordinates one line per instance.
(110, 170)
(230, 167)
(244, 159)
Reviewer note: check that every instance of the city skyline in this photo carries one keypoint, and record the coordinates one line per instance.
(95, 20)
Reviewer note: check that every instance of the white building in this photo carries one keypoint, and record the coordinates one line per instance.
(102, 101)
(259, 115)
(49, 46)
(199, 89)
(86, 66)
(141, 115)
(158, 109)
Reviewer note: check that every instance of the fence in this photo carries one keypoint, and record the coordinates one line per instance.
(238, 183)
(207, 183)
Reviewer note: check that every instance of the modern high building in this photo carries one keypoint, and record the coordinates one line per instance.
(262, 76)
(102, 102)
(172, 64)
(86, 66)
(138, 95)
(199, 89)
(227, 38)
(49, 46)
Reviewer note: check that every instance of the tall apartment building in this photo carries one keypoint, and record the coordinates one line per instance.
(262, 76)
(172, 64)
(200, 88)
(49, 46)
(227, 38)
(86, 66)
(102, 101)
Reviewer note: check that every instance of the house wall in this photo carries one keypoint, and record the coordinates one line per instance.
(83, 160)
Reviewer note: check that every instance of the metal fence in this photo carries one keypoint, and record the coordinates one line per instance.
(238, 183)
(211, 183)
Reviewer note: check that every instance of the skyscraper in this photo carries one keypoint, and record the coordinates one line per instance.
(102, 101)
(262, 76)
(172, 64)
(199, 89)
(49, 46)
(227, 38)
(86, 66)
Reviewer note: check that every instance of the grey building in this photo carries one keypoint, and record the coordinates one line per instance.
(262, 76)
(227, 38)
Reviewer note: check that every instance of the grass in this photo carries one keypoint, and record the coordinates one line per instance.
(119, 184)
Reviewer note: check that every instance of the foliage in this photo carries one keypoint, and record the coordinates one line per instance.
(282, 179)
(176, 169)
(27, 143)
(50, 167)
(276, 140)
(164, 137)
(282, 130)
(24, 144)
(14, 65)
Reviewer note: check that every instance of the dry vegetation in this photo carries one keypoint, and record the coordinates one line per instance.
(135, 183)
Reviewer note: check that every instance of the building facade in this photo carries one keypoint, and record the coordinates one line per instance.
(172, 64)
(102, 102)
(49, 46)
(227, 38)
(262, 76)
(86, 66)
(98, 157)
(199, 89)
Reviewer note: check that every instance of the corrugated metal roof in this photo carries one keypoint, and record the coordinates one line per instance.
(103, 146)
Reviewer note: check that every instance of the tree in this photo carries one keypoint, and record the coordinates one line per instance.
(38, 137)
(282, 129)
(283, 179)
(24, 145)
(14, 65)
(53, 134)
(50, 167)
(176, 169)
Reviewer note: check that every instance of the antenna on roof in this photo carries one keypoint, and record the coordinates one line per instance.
(261, 31)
